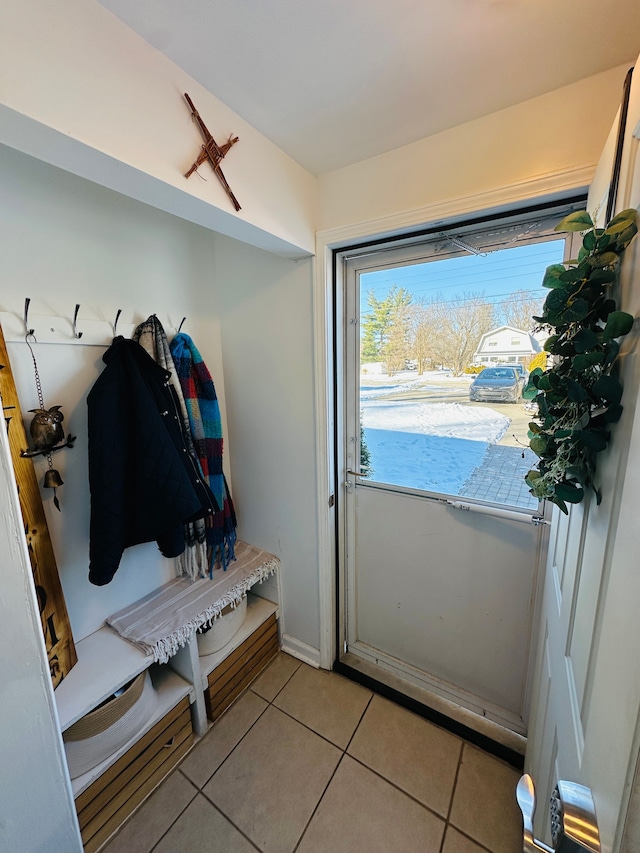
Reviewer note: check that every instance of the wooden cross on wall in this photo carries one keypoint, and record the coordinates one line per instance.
(212, 152)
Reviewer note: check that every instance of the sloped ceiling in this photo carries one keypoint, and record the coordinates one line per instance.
(333, 82)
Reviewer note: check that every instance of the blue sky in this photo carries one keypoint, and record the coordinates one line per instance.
(495, 276)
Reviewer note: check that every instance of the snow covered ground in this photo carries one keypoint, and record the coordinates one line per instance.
(425, 445)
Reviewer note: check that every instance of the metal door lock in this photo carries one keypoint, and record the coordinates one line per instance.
(573, 818)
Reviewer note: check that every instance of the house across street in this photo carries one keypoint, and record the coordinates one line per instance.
(506, 345)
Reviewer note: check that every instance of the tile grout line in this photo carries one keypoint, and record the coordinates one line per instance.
(177, 818)
(474, 841)
(270, 703)
(447, 824)
(308, 728)
(132, 817)
(398, 788)
(200, 790)
(235, 746)
(343, 753)
(317, 805)
(313, 731)
(353, 734)
(228, 819)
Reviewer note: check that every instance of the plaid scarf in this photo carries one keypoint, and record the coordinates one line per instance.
(206, 430)
(151, 336)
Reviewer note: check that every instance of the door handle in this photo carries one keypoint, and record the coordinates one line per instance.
(526, 797)
(573, 818)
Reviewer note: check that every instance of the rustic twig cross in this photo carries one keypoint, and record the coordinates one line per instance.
(213, 152)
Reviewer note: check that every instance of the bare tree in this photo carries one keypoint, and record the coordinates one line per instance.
(460, 324)
(519, 309)
(425, 347)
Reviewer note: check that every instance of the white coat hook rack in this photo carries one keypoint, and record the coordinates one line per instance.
(18, 326)
(76, 333)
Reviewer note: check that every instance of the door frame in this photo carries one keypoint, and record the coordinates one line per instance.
(560, 186)
(412, 691)
(452, 695)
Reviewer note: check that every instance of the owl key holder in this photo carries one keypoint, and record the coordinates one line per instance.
(46, 427)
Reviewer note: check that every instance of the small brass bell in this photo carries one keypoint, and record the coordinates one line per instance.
(52, 479)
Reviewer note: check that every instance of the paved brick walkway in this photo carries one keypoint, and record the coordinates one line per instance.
(500, 478)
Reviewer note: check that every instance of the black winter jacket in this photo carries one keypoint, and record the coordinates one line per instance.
(144, 484)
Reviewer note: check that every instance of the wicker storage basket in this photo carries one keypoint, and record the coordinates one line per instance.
(110, 726)
(223, 629)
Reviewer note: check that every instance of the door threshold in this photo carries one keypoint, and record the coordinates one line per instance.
(481, 732)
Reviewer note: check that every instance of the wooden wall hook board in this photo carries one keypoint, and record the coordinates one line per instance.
(56, 626)
(212, 152)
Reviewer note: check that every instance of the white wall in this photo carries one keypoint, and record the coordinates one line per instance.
(82, 91)
(267, 330)
(64, 240)
(543, 145)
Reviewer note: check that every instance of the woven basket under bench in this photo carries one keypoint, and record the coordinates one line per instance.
(109, 801)
(227, 681)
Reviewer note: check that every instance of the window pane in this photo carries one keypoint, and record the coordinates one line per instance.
(442, 374)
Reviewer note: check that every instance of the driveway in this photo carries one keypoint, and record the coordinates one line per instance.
(500, 478)
(442, 388)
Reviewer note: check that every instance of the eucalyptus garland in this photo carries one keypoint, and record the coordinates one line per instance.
(578, 397)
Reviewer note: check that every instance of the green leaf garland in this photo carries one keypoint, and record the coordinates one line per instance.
(578, 397)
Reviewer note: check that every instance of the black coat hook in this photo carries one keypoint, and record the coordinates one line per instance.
(115, 322)
(28, 333)
(76, 333)
(180, 326)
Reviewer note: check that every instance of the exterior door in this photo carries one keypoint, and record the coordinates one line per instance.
(441, 539)
(586, 692)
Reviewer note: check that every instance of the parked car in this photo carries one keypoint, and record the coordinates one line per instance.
(521, 371)
(498, 384)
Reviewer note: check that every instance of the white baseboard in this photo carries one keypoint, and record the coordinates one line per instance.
(301, 651)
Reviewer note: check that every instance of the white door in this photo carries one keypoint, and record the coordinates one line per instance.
(586, 693)
(441, 597)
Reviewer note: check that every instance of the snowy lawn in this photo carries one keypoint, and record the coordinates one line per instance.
(422, 445)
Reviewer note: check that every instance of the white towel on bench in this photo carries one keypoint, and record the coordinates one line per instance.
(164, 620)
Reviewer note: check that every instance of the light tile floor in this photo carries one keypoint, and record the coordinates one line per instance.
(308, 761)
